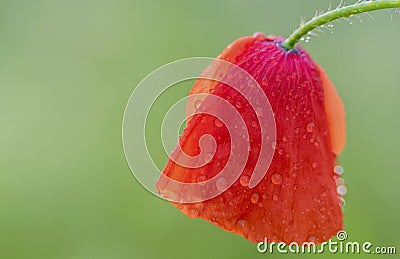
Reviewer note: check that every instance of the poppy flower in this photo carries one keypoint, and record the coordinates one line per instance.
(296, 199)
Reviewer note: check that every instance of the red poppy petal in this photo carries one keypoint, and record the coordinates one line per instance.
(335, 112)
(297, 199)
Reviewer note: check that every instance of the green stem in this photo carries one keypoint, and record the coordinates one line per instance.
(345, 11)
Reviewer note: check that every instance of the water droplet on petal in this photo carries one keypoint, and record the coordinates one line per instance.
(338, 170)
(275, 197)
(218, 123)
(201, 178)
(342, 202)
(208, 156)
(312, 239)
(254, 197)
(259, 111)
(242, 223)
(314, 165)
(276, 178)
(221, 184)
(296, 166)
(274, 60)
(197, 104)
(238, 105)
(256, 59)
(341, 190)
(194, 213)
(310, 127)
(264, 82)
(259, 34)
(244, 180)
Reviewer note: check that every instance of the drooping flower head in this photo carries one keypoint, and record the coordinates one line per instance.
(296, 199)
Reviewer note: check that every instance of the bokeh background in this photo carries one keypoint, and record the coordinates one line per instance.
(67, 69)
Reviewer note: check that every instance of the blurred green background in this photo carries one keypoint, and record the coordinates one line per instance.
(67, 69)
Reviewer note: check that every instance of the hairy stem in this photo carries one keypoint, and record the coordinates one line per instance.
(345, 11)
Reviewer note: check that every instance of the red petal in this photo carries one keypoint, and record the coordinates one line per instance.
(297, 199)
(335, 112)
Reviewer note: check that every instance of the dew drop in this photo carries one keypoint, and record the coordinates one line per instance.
(310, 127)
(218, 123)
(285, 139)
(201, 178)
(221, 184)
(258, 34)
(314, 165)
(197, 104)
(264, 81)
(194, 212)
(312, 238)
(276, 178)
(259, 111)
(254, 124)
(244, 180)
(274, 60)
(238, 105)
(208, 156)
(342, 202)
(242, 223)
(296, 165)
(341, 190)
(255, 197)
(296, 130)
(275, 197)
(338, 170)
(256, 59)
(249, 84)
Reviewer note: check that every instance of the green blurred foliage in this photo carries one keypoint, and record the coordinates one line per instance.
(67, 69)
